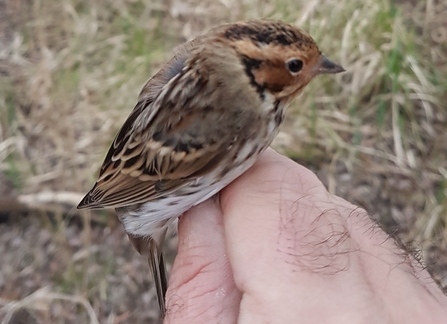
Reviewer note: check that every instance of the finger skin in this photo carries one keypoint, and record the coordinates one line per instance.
(201, 288)
(301, 255)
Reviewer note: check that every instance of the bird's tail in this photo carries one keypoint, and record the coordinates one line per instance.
(157, 264)
(150, 249)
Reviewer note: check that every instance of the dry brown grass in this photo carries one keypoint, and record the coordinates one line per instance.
(70, 72)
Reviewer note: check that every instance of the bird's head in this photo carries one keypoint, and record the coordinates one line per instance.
(277, 57)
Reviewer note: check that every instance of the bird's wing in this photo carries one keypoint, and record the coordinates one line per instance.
(165, 142)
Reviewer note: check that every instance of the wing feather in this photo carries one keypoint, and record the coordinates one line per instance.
(159, 149)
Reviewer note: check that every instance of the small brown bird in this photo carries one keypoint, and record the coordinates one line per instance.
(199, 123)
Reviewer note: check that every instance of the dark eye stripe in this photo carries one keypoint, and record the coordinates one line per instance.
(251, 64)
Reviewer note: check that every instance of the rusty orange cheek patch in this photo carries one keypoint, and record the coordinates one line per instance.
(273, 78)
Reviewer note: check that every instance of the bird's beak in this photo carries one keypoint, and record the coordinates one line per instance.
(326, 66)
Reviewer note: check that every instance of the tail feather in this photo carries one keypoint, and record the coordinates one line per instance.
(158, 268)
(149, 248)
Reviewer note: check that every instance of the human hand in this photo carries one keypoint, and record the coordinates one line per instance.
(281, 249)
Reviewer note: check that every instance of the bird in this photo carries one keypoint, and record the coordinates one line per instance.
(199, 123)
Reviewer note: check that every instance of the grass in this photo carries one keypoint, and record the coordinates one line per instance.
(70, 72)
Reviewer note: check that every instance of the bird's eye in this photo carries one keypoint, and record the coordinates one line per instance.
(294, 65)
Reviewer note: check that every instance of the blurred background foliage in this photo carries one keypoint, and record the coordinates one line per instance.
(71, 70)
